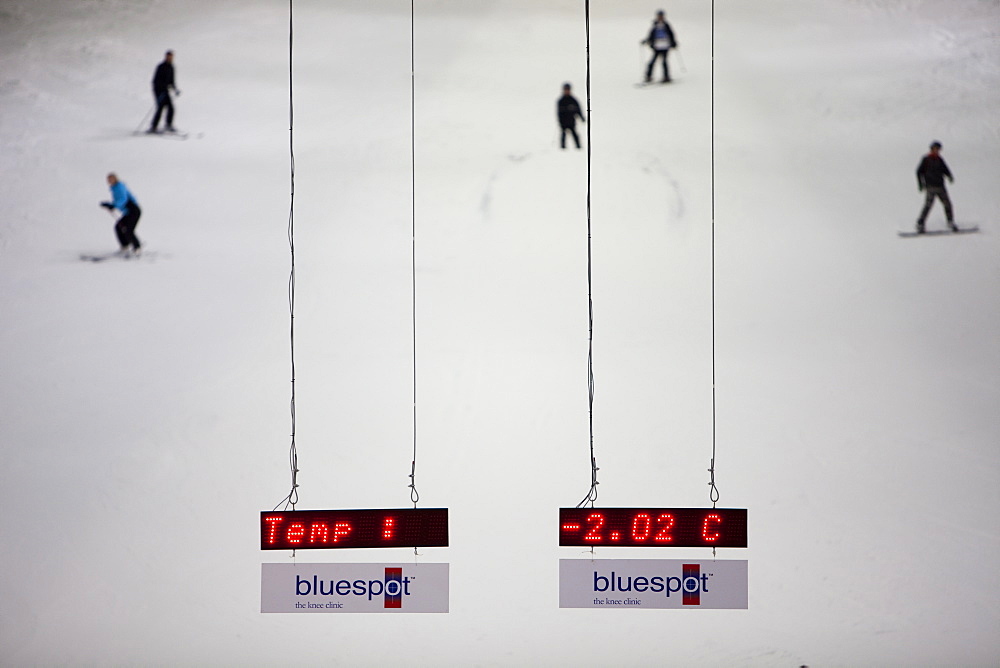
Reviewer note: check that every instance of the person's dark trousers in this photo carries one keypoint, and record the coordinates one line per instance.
(941, 194)
(125, 227)
(163, 101)
(652, 63)
(571, 130)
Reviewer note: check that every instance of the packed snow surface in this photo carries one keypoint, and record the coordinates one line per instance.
(144, 404)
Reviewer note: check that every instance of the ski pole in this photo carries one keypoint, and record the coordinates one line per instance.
(680, 59)
(145, 118)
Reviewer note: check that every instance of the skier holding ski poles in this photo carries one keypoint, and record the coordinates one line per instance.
(123, 200)
(163, 82)
(661, 40)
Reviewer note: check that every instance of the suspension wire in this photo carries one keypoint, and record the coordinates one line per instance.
(713, 493)
(414, 494)
(591, 496)
(293, 458)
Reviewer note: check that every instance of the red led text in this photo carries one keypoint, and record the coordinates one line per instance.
(318, 529)
(664, 527)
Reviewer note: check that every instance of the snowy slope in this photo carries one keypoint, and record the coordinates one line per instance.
(144, 405)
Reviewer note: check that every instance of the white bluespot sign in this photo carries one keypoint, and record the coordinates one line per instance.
(315, 588)
(653, 584)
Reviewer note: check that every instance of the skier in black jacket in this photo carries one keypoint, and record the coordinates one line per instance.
(661, 40)
(163, 81)
(931, 173)
(567, 109)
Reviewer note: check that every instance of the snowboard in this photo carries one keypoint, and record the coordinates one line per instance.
(647, 84)
(939, 233)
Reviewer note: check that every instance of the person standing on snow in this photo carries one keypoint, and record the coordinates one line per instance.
(661, 40)
(931, 173)
(163, 81)
(567, 109)
(123, 200)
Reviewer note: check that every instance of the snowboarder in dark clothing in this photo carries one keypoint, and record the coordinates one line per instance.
(567, 109)
(661, 40)
(931, 173)
(123, 200)
(163, 82)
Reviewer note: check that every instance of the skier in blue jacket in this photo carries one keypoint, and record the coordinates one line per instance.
(123, 200)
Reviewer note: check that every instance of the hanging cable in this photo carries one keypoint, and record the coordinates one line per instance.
(713, 492)
(591, 496)
(414, 494)
(293, 458)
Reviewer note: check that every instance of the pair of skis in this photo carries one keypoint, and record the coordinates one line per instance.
(647, 84)
(167, 134)
(117, 255)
